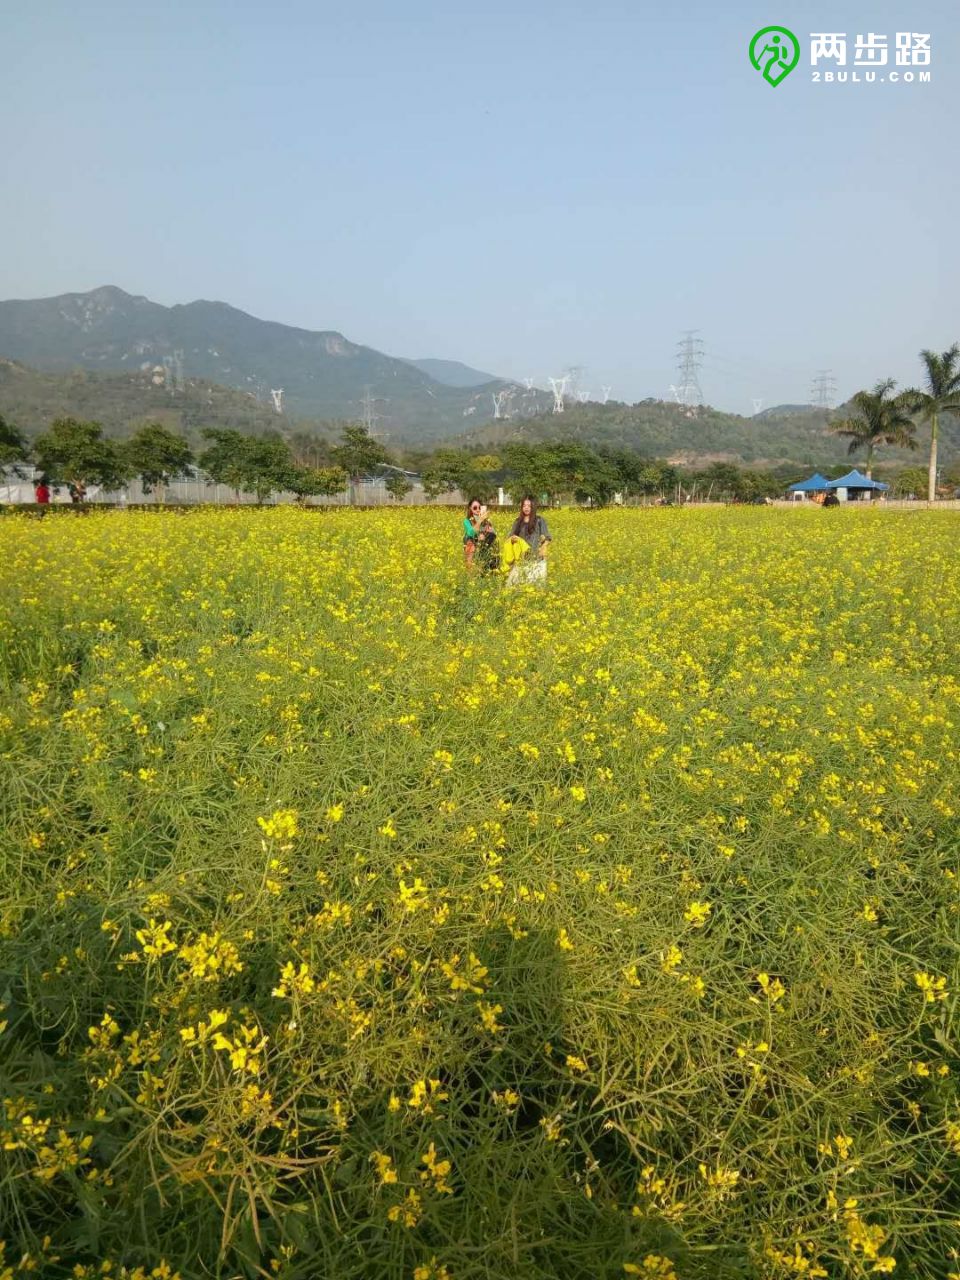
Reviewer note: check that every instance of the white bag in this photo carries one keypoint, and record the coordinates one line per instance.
(527, 571)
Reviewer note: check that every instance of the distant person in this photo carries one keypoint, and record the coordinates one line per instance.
(42, 492)
(529, 528)
(471, 528)
(831, 500)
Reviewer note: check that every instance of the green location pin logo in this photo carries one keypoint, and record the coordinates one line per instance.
(775, 51)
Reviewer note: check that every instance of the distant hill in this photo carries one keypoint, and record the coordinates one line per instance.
(31, 399)
(322, 374)
(788, 411)
(453, 374)
(665, 430)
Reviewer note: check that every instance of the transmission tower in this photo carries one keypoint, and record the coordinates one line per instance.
(689, 360)
(501, 402)
(823, 390)
(605, 394)
(369, 404)
(583, 396)
(173, 371)
(277, 397)
(757, 404)
(573, 373)
(559, 388)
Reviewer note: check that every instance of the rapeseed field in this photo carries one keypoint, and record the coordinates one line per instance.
(362, 918)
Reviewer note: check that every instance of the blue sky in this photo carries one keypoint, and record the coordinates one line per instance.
(522, 187)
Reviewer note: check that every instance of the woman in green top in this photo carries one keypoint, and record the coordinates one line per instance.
(471, 526)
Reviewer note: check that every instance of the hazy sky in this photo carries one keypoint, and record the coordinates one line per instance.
(520, 186)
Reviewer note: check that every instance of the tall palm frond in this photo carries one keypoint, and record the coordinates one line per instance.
(883, 418)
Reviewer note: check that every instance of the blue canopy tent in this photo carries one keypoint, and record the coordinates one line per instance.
(804, 489)
(857, 486)
(816, 484)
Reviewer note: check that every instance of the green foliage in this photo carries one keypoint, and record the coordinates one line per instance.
(122, 402)
(315, 482)
(656, 429)
(450, 469)
(76, 452)
(358, 453)
(722, 480)
(222, 460)
(528, 468)
(250, 464)
(158, 456)
(398, 486)
(880, 418)
(13, 444)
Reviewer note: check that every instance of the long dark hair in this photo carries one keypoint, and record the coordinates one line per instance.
(470, 504)
(527, 525)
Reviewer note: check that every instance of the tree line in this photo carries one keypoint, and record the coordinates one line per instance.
(78, 453)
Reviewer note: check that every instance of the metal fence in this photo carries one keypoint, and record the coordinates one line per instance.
(196, 491)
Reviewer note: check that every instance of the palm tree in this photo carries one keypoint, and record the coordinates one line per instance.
(880, 420)
(942, 396)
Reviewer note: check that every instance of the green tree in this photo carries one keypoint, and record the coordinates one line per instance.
(629, 467)
(358, 453)
(659, 478)
(76, 453)
(13, 444)
(453, 469)
(222, 460)
(266, 466)
(316, 482)
(882, 418)
(398, 486)
(580, 471)
(529, 469)
(248, 464)
(941, 395)
(909, 480)
(157, 455)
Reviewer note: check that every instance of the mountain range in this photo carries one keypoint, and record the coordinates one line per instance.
(121, 360)
(322, 374)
